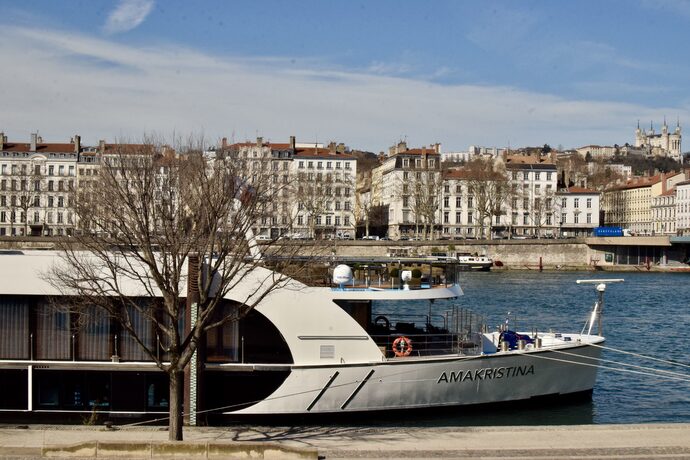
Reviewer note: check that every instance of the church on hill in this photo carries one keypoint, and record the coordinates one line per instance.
(665, 143)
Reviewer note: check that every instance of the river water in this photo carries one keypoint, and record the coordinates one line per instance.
(648, 314)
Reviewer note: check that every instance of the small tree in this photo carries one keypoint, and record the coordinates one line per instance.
(153, 212)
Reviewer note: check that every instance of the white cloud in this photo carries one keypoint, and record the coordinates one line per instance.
(64, 84)
(127, 15)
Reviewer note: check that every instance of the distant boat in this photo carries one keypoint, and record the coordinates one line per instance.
(475, 263)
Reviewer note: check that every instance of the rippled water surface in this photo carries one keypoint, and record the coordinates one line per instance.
(648, 314)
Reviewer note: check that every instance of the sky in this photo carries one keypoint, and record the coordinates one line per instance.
(365, 73)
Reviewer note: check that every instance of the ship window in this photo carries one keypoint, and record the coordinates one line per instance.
(262, 343)
(14, 328)
(94, 335)
(222, 341)
(53, 334)
(129, 349)
(14, 389)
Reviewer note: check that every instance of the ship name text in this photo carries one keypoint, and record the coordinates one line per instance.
(485, 374)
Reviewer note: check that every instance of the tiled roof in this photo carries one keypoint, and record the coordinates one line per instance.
(274, 146)
(581, 190)
(314, 152)
(638, 183)
(457, 174)
(532, 166)
(40, 148)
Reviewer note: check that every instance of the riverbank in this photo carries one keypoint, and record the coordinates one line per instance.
(657, 254)
(343, 442)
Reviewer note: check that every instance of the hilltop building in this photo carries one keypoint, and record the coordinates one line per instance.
(665, 143)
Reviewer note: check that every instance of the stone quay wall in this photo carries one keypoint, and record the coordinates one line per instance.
(512, 254)
(531, 254)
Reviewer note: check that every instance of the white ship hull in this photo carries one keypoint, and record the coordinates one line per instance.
(434, 382)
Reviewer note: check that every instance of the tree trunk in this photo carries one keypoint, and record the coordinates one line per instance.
(176, 398)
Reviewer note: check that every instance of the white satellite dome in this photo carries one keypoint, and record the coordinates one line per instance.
(342, 274)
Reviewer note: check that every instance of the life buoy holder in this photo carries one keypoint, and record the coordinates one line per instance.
(386, 324)
(402, 346)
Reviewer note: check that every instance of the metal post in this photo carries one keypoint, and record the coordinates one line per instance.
(601, 288)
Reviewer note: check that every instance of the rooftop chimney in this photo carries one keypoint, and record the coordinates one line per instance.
(2, 140)
(77, 143)
(101, 146)
(292, 142)
(259, 141)
(224, 142)
(34, 139)
(331, 148)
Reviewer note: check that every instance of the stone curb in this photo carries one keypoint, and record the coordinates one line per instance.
(167, 450)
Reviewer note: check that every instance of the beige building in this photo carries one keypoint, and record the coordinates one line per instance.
(630, 205)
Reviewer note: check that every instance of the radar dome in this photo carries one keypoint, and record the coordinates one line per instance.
(342, 274)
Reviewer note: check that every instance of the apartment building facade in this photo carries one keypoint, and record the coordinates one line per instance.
(629, 205)
(682, 201)
(531, 205)
(313, 187)
(411, 182)
(664, 213)
(37, 181)
(578, 211)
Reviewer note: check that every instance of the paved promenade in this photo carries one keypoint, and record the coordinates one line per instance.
(552, 442)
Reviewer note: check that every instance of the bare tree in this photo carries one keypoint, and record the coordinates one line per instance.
(24, 194)
(602, 176)
(162, 234)
(314, 198)
(489, 189)
(368, 197)
(543, 210)
(419, 192)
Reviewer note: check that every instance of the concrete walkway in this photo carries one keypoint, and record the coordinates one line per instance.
(552, 442)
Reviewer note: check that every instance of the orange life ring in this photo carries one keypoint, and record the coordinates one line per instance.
(402, 346)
